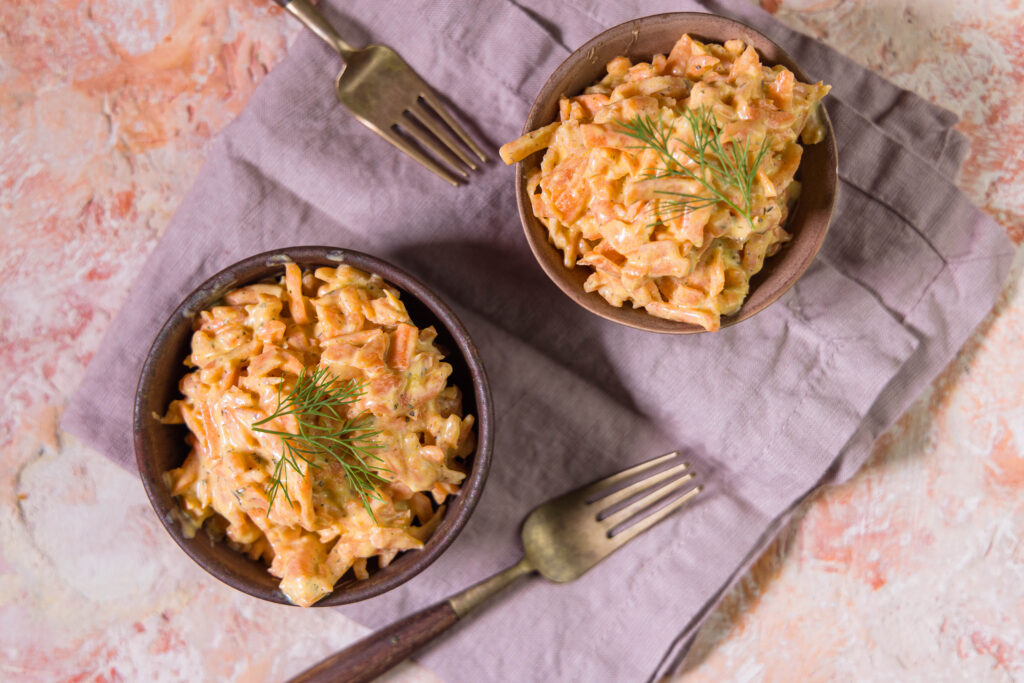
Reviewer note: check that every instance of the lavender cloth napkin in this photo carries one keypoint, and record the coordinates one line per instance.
(767, 410)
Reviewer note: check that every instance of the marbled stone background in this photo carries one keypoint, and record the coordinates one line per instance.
(912, 571)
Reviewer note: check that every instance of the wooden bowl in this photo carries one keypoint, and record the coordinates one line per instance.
(160, 447)
(640, 39)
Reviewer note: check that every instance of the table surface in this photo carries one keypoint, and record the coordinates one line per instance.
(914, 568)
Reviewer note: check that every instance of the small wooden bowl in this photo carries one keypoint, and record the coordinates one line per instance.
(160, 447)
(640, 39)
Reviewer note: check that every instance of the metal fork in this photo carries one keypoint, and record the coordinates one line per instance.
(562, 539)
(389, 98)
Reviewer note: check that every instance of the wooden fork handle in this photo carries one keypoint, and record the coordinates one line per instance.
(378, 652)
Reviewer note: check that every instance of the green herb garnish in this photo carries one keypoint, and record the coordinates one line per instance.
(317, 403)
(720, 165)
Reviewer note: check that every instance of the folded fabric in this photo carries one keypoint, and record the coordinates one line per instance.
(766, 410)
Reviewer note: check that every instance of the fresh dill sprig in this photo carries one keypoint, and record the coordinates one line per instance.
(316, 402)
(720, 165)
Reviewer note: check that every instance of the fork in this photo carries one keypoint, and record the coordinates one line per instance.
(562, 539)
(389, 98)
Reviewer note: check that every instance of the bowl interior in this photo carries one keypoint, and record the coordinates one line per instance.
(160, 447)
(640, 39)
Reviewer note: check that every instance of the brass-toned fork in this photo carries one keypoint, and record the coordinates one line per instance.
(389, 98)
(562, 539)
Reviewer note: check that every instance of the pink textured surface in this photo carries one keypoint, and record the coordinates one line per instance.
(916, 567)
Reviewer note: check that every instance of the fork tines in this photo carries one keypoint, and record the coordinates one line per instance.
(646, 493)
(422, 123)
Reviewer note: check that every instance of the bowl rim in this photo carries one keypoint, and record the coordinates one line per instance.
(593, 302)
(214, 287)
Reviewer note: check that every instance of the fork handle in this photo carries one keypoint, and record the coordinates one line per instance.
(311, 18)
(370, 657)
(375, 654)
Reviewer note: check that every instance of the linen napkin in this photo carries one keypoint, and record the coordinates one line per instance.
(766, 410)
